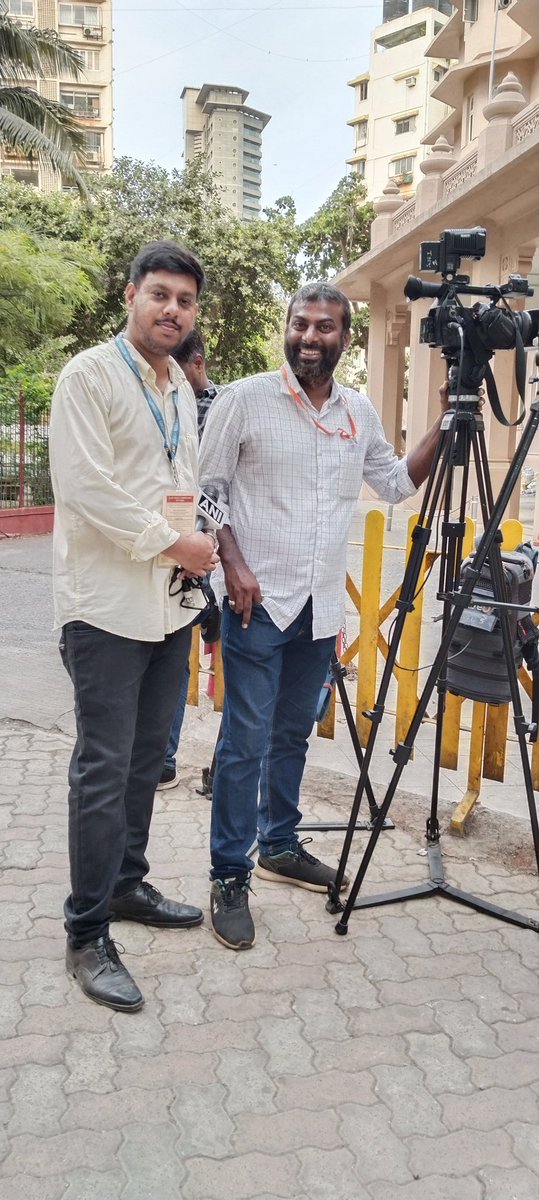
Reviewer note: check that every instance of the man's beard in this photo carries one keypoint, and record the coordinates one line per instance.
(317, 372)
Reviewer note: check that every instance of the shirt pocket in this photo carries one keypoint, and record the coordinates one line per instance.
(349, 469)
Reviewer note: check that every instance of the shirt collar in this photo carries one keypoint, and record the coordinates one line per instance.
(334, 395)
(147, 373)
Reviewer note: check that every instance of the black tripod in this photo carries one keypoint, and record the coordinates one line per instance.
(338, 673)
(462, 434)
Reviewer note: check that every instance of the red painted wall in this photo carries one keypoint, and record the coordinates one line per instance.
(26, 520)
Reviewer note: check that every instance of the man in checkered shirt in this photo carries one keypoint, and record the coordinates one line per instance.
(288, 451)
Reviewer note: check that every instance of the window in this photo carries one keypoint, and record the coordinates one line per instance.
(361, 133)
(24, 175)
(439, 73)
(250, 157)
(403, 169)
(363, 89)
(470, 10)
(20, 8)
(409, 34)
(469, 119)
(405, 125)
(79, 14)
(82, 104)
(90, 58)
(360, 168)
(92, 147)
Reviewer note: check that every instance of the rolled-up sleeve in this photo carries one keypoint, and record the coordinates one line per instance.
(383, 470)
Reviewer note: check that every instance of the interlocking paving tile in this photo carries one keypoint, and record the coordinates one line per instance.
(398, 1063)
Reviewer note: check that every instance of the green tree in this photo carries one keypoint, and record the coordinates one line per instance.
(29, 122)
(44, 283)
(249, 267)
(339, 232)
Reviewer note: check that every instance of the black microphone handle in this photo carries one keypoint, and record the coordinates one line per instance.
(212, 492)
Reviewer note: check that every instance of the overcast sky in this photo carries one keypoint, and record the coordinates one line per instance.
(293, 57)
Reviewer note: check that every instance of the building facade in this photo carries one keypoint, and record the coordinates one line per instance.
(220, 126)
(395, 104)
(88, 29)
(482, 169)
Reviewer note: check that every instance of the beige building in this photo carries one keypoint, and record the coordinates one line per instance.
(395, 104)
(482, 169)
(219, 125)
(88, 29)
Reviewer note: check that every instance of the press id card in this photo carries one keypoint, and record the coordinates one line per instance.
(179, 509)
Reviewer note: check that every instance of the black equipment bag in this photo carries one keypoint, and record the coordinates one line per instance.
(476, 666)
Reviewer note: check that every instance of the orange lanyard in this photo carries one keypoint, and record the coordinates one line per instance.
(350, 435)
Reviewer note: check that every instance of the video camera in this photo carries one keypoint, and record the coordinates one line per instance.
(469, 336)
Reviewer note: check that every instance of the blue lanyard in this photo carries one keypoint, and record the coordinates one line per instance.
(172, 448)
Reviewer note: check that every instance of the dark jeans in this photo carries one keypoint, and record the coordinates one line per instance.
(126, 692)
(273, 681)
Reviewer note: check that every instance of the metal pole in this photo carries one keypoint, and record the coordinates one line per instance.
(21, 448)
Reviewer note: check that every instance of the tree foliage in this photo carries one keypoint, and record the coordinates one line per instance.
(339, 231)
(29, 122)
(44, 282)
(251, 268)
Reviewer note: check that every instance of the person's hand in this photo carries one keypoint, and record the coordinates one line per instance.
(243, 590)
(444, 396)
(196, 553)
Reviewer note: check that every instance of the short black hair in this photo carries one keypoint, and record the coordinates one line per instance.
(167, 256)
(311, 292)
(189, 348)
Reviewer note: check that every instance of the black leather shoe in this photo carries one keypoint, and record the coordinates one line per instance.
(146, 905)
(102, 976)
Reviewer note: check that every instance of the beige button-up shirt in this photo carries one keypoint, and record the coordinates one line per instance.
(110, 473)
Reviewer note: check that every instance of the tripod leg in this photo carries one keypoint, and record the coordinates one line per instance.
(420, 539)
(520, 723)
(453, 533)
(339, 676)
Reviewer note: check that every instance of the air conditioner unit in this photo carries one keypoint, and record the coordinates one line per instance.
(91, 31)
(411, 81)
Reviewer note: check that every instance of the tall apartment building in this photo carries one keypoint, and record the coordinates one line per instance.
(394, 107)
(227, 132)
(88, 29)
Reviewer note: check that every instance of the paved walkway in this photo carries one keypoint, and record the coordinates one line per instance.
(398, 1063)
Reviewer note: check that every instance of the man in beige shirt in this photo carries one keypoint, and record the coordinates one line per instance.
(123, 438)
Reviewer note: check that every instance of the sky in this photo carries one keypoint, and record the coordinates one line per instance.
(294, 58)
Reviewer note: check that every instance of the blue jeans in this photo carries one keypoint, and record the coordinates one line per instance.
(273, 680)
(125, 692)
(176, 727)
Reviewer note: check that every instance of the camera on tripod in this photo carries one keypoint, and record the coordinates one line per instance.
(470, 335)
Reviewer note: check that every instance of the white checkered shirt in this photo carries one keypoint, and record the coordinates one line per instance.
(292, 489)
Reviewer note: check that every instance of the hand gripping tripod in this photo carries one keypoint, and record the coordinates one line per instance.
(461, 434)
